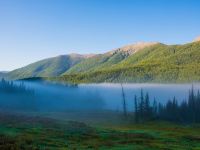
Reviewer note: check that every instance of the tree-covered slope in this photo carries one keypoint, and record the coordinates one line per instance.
(70, 64)
(97, 62)
(108, 59)
(142, 62)
(158, 63)
(47, 68)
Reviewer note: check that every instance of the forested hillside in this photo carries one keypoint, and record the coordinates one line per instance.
(47, 68)
(108, 59)
(142, 62)
(158, 63)
(97, 62)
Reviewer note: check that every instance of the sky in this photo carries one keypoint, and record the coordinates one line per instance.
(31, 30)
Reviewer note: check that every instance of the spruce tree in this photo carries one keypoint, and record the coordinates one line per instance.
(136, 109)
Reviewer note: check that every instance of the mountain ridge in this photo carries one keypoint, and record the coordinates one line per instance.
(128, 56)
(53, 66)
(133, 48)
(38, 69)
(159, 63)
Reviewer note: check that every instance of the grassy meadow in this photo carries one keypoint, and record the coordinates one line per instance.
(89, 130)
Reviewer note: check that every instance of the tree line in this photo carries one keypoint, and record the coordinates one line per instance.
(10, 87)
(186, 111)
(16, 96)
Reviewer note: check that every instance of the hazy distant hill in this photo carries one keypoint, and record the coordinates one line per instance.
(48, 67)
(3, 74)
(140, 62)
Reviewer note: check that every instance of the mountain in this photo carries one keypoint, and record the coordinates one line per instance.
(140, 62)
(48, 67)
(75, 63)
(155, 63)
(108, 59)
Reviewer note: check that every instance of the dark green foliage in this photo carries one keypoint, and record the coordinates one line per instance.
(185, 112)
(143, 110)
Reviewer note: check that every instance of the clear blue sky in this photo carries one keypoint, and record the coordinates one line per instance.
(31, 30)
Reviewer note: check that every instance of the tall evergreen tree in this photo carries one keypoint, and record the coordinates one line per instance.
(136, 114)
(141, 110)
(147, 109)
(188, 111)
(124, 101)
(191, 105)
(155, 108)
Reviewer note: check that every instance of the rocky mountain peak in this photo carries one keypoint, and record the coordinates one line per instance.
(133, 48)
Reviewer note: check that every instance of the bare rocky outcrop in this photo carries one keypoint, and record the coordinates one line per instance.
(133, 48)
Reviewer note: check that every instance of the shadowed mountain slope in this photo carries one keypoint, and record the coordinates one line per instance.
(47, 68)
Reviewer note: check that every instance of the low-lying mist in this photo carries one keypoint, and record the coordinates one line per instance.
(42, 96)
(45, 96)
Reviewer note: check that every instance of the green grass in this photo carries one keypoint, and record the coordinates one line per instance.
(31, 132)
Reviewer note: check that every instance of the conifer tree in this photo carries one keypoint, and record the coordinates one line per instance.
(136, 109)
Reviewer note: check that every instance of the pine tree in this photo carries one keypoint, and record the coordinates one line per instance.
(136, 109)
(198, 106)
(147, 109)
(155, 108)
(124, 101)
(141, 107)
(191, 105)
